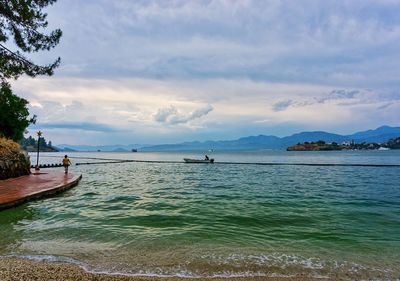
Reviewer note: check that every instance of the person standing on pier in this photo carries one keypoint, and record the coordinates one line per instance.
(66, 163)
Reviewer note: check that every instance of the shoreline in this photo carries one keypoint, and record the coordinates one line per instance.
(13, 268)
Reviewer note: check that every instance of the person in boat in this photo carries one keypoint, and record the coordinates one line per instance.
(66, 162)
(206, 158)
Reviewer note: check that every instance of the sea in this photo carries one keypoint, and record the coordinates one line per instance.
(218, 220)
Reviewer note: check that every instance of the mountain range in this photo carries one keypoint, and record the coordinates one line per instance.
(108, 148)
(379, 135)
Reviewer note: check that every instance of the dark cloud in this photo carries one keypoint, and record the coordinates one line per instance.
(388, 104)
(262, 40)
(341, 97)
(342, 94)
(282, 105)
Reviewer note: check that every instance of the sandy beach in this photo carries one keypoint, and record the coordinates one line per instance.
(13, 269)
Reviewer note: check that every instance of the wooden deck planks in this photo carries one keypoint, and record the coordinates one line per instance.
(17, 191)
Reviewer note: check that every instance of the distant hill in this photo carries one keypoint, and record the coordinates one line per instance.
(67, 149)
(312, 137)
(252, 142)
(379, 135)
(120, 150)
(106, 148)
(260, 142)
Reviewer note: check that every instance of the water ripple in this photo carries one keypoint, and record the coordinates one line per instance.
(211, 220)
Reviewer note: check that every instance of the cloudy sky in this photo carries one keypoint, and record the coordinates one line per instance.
(172, 71)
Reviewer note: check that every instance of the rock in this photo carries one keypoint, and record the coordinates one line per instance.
(14, 163)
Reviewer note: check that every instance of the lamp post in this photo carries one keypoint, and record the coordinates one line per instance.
(39, 134)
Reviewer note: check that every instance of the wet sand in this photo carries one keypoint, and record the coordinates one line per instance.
(12, 269)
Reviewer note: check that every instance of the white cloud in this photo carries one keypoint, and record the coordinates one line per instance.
(146, 110)
(164, 113)
(154, 68)
(170, 115)
(324, 42)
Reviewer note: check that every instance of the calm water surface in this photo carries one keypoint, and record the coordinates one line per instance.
(219, 220)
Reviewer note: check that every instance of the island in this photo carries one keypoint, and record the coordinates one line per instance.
(350, 145)
(31, 145)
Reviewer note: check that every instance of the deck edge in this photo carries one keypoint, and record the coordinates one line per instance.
(41, 194)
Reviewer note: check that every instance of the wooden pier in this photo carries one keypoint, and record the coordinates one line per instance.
(16, 191)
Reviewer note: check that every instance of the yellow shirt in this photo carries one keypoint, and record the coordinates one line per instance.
(66, 162)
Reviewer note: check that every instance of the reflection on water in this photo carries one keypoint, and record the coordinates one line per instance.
(220, 219)
(12, 226)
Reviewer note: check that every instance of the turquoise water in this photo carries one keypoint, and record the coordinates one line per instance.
(219, 220)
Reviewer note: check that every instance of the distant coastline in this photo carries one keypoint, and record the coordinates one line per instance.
(41, 149)
(323, 146)
(250, 143)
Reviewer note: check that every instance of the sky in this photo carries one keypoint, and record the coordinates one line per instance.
(152, 72)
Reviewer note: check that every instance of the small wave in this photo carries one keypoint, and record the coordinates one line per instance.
(48, 258)
(179, 271)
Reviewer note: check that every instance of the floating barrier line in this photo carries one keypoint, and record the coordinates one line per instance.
(131, 161)
(310, 164)
(107, 162)
(48, 165)
(79, 157)
(114, 161)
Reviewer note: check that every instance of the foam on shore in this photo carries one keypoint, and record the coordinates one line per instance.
(52, 268)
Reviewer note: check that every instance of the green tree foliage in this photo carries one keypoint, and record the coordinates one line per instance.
(30, 141)
(393, 143)
(14, 114)
(31, 144)
(24, 21)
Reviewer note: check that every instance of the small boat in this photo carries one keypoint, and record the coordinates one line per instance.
(383, 148)
(188, 160)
